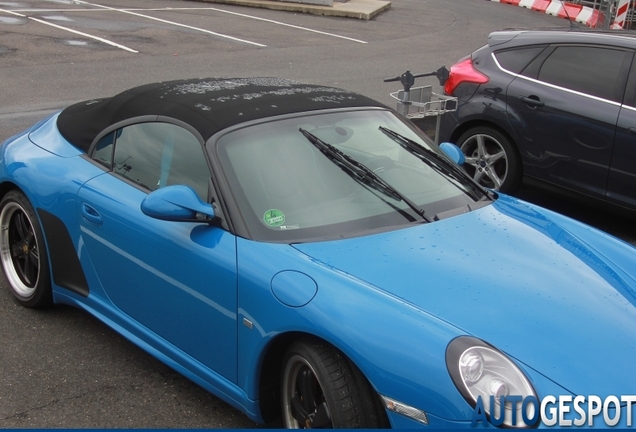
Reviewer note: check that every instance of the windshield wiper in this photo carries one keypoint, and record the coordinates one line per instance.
(360, 172)
(439, 163)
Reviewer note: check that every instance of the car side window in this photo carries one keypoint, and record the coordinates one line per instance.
(103, 152)
(515, 60)
(591, 70)
(155, 155)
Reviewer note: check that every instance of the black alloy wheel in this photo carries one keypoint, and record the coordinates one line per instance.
(23, 255)
(322, 389)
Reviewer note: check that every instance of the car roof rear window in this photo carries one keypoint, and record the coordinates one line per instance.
(515, 60)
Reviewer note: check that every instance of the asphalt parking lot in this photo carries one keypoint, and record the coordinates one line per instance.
(63, 368)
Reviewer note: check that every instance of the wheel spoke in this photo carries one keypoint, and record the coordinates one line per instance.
(322, 419)
(481, 146)
(298, 412)
(16, 251)
(495, 178)
(34, 257)
(306, 379)
(478, 176)
(30, 272)
(495, 157)
(30, 240)
(21, 226)
(471, 160)
(307, 405)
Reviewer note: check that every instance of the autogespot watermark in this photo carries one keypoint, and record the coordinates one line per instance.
(562, 410)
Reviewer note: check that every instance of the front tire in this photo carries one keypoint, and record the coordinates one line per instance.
(491, 159)
(321, 388)
(22, 252)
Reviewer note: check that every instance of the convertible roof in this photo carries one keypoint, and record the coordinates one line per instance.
(208, 105)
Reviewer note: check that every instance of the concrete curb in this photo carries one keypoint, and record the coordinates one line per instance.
(360, 9)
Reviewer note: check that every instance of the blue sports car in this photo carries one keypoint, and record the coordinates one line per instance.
(305, 254)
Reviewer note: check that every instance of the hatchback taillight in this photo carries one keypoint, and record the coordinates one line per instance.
(463, 72)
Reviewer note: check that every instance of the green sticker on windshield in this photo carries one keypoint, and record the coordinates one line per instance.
(274, 217)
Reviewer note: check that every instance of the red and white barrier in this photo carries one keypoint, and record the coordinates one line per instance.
(621, 14)
(582, 14)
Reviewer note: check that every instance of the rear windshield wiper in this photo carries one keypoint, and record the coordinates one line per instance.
(360, 172)
(439, 163)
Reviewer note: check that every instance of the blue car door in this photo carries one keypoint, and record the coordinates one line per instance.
(177, 279)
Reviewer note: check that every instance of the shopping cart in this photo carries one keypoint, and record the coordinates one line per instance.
(421, 102)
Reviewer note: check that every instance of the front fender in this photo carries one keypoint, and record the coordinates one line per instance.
(398, 347)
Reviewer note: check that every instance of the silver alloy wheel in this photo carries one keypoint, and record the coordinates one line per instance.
(486, 160)
(304, 403)
(19, 250)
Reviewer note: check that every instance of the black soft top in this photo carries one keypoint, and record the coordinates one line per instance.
(208, 105)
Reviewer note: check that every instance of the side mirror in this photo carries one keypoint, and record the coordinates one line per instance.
(176, 203)
(453, 152)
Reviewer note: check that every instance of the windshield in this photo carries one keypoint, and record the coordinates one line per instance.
(306, 178)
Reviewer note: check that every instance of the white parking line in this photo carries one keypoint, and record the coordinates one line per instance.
(204, 8)
(172, 23)
(282, 24)
(106, 41)
(13, 13)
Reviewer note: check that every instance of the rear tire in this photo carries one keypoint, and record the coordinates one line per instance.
(492, 160)
(321, 388)
(23, 253)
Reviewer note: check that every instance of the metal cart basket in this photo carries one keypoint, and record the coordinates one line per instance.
(420, 102)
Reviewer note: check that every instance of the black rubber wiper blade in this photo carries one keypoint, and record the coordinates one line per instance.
(422, 153)
(360, 172)
(351, 166)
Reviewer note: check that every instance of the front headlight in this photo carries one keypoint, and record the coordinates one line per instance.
(481, 371)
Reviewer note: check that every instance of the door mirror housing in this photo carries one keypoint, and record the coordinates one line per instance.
(453, 152)
(177, 203)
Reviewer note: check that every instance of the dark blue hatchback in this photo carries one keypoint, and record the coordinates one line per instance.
(553, 107)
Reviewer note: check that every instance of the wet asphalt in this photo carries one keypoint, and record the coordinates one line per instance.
(62, 367)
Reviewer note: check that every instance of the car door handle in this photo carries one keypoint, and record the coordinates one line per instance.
(91, 215)
(533, 101)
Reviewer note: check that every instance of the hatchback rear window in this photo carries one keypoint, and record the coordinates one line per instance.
(515, 60)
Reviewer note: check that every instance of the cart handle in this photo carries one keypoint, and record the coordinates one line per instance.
(408, 79)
